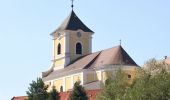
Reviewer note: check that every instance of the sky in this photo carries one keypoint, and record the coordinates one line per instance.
(26, 46)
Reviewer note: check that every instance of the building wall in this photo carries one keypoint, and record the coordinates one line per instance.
(133, 72)
(59, 63)
(76, 78)
(68, 41)
(61, 40)
(88, 77)
(59, 60)
(129, 71)
(67, 82)
(84, 40)
(92, 76)
(58, 83)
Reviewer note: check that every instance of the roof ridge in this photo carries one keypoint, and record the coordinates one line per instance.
(69, 19)
(91, 62)
(109, 48)
(125, 54)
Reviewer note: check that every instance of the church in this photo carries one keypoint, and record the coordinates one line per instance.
(73, 59)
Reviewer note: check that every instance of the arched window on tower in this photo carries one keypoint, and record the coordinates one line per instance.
(59, 49)
(78, 48)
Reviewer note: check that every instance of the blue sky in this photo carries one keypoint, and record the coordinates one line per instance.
(26, 46)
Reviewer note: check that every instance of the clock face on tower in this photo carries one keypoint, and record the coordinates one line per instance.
(79, 34)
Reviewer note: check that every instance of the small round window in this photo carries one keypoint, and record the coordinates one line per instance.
(78, 34)
(59, 34)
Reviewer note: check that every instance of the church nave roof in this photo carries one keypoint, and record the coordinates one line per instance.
(112, 56)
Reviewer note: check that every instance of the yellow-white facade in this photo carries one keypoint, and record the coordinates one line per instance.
(89, 76)
(74, 61)
(68, 40)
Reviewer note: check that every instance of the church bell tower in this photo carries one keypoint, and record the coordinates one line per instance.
(72, 40)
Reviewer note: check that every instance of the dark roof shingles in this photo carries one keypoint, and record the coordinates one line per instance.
(79, 64)
(113, 56)
(72, 22)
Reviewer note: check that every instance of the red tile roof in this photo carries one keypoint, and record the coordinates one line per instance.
(91, 94)
(66, 95)
(19, 98)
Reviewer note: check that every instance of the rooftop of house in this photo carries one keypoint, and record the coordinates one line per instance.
(66, 95)
(19, 98)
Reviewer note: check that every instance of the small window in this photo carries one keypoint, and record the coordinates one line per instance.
(59, 34)
(129, 76)
(59, 49)
(78, 34)
(78, 48)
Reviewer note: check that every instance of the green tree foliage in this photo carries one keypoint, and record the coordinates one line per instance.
(53, 95)
(115, 87)
(37, 90)
(149, 87)
(152, 83)
(78, 92)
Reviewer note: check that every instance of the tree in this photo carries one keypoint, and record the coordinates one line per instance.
(78, 92)
(37, 90)
(115, 87)
(154, 67)
(149, 87)
(152, 83)
(54, 95)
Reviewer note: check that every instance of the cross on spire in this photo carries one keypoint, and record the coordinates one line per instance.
(72, 4)
(120, 42)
